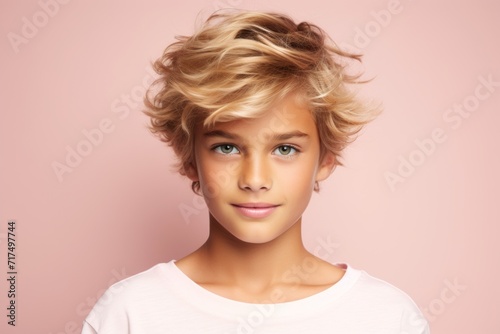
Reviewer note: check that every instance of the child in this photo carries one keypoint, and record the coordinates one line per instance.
(258, 111)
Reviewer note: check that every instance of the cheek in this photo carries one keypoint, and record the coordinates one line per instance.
(298, 175)
(214, 178)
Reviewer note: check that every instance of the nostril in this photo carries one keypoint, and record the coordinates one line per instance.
(255, 177)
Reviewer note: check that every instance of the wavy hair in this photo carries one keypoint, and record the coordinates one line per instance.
(238, 65)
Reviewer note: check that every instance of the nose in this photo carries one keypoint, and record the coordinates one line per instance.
(255, 174)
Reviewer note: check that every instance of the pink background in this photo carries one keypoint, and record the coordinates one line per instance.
(118, 211)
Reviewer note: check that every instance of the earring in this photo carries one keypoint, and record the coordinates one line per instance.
(195, 186)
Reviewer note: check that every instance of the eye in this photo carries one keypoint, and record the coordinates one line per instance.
(285, 150)
(226, 149)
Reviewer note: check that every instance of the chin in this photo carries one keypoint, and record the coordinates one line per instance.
(255, 238)
(256, 241)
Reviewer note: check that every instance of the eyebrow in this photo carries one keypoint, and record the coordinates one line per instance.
(276, 136)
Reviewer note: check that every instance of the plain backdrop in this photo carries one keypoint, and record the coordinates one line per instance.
(95, 199)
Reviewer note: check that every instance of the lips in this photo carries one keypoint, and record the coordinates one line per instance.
(255, 210)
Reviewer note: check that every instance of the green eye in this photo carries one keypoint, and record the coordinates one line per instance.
(286, 150)
(226, 149)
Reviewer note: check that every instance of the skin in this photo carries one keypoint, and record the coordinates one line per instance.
(273, 159)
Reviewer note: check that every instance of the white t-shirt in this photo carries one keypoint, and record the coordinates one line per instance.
(164, 300)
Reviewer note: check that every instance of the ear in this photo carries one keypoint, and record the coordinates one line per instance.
(326, 167)
(191, 171)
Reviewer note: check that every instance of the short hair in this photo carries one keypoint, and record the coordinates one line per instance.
(238, 65)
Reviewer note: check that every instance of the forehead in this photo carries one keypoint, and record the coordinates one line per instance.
(287, 115)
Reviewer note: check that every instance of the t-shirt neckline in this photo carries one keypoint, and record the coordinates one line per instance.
(210, 302)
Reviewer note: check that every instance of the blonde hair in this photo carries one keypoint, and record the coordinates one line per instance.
(238, 65)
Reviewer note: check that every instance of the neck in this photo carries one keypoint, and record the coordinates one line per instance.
(234, 261)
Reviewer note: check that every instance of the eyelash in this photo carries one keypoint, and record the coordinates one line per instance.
(218, 149)
(295, 150)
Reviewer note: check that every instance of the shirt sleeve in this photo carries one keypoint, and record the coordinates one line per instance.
(414, 322)
(88, 329)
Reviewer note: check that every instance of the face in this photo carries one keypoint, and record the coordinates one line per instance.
(257, 175)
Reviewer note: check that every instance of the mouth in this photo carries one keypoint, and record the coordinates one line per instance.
(255, 210)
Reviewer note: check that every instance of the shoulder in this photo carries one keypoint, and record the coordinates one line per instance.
(141, 284)
(131, 298)
(377, 290)
(376, 297)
